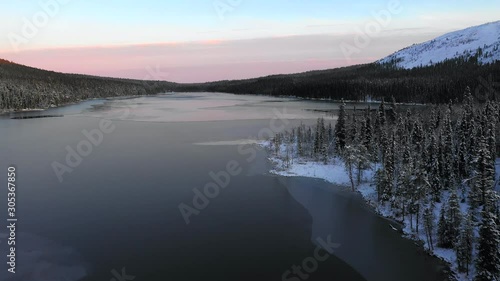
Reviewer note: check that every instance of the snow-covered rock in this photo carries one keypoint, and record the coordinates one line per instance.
(462, 43)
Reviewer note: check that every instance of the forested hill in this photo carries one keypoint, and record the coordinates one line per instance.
(438, 83)
(23, 87)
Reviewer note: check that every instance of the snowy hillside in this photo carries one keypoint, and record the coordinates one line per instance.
(462, 43)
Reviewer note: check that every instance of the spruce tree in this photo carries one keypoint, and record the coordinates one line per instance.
(350, 159)
(300, 150)
(435, 118)
(392, 111)
(465, 244)
(454, 216)
(353, 132)
(485, 174)
(340, 128)
(444, 238)
(417, 140)
(389, 166)
(405, 180)
(381, 117)
(317, 138)
(488, 248)
(462, 156)
(492, 143)
(330, 135)
(368, 134)
(433, 168)
(429, 226)
(380, 182)
(448, 157)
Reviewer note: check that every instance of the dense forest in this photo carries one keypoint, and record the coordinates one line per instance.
(24, 87)
(439, 83)
(432, 167)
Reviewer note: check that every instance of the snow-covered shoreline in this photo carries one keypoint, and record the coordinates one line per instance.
(334, 172)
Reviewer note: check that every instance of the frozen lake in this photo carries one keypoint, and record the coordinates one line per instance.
(118, 206)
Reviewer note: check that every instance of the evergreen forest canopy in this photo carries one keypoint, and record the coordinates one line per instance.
(433, 168)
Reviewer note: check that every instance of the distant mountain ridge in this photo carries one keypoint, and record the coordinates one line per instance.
(481, 42)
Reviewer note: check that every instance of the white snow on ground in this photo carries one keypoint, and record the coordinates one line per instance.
(333, 173)
(452, 45)
(336, 173)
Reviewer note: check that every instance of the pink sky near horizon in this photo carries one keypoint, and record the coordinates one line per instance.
(212, 60)
(196, 41)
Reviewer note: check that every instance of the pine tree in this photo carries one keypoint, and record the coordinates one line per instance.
(363, 162)
(383, 145)
(429, 226)
(419, 191)
(435, 119)
(485, 174)
(381, 117)
(353, 132)
(317, 138)
(433, 167)
(417, 140)
(492, 143)
(300, 150)
(368, 134)
(380, 183)
(448, 158)
(330, 136)
(491, 114)
(488, 248)
(361, 131)
(405, 180)
(392, 111)
(469, 127)
(454, 216)
(340, 128)
(350, 159)
(324, 152)
(462, 157)
(388, 170)
(444, 238)
(465, 244)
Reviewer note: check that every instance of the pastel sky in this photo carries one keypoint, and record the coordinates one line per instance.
(206, 40)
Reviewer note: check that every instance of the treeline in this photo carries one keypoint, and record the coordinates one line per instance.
(427, 164)
(439, 83)
(24, 87)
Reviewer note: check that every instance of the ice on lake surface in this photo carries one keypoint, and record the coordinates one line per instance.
(120, 207)
(181, 107)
